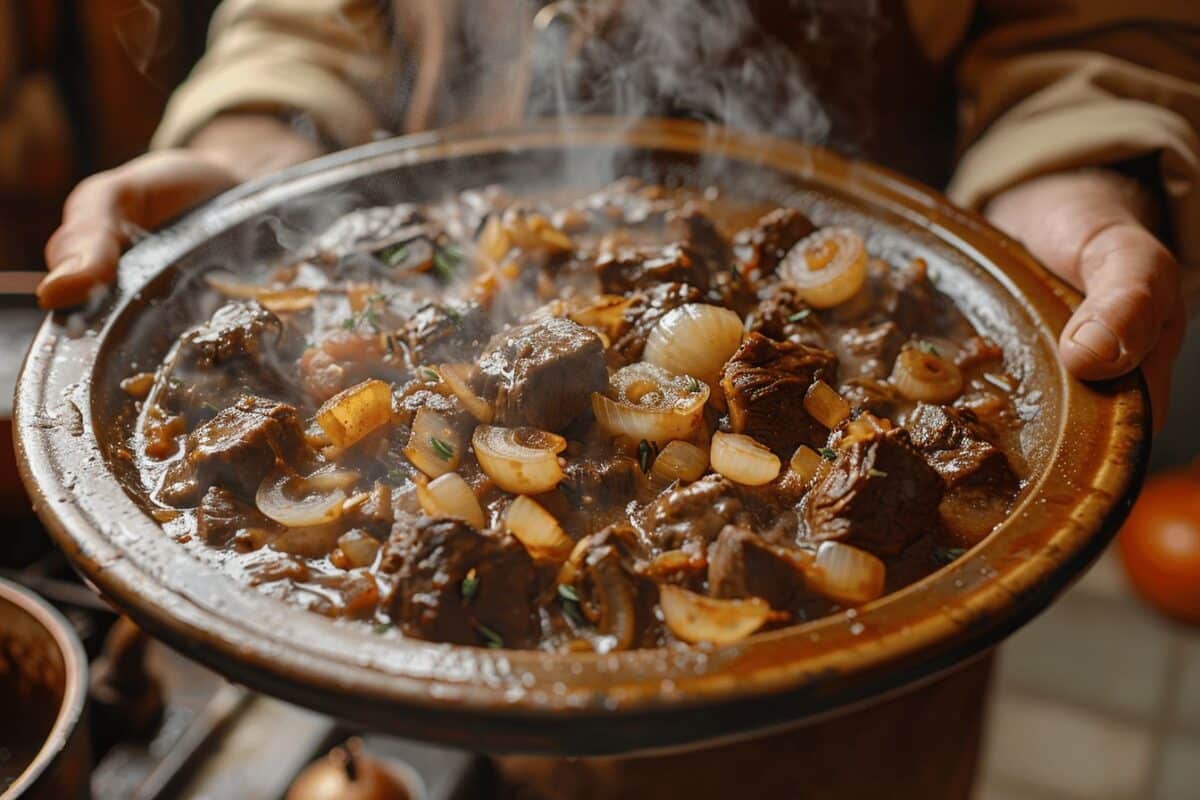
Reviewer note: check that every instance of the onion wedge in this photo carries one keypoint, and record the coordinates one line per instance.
(457, 378)
(695, 618)
(353, 413)
(519, 460)
(846, 574)
(538, 530)
(450, 496)
(651, 404)
(827, 267)
(743, 460)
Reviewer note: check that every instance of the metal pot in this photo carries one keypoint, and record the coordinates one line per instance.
(43, 689)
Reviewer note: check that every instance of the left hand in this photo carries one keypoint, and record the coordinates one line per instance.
(1091, 228)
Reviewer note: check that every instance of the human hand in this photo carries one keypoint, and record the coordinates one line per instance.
(1092, 229)
(106, 211)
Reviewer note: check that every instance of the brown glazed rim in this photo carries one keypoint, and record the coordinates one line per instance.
(75, 682)
(585, 703)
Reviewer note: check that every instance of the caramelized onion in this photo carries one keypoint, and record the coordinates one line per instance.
(359, 547)
(651, 404)
(450, 496)
(827, 267)
(278, 301)
(742, 459)
(846, 574)
(434, 446)
(695, 339)
(695, 618)
(538, 530)
(457, 377)
(291, 501)
(605, 315)
(353, 413)
(825, 405)
(680, 461)
(805, 462)
(519, 460)
(920, 375)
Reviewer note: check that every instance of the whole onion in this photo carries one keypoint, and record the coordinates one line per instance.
(924, 376)
(827, 267)
(695, 339)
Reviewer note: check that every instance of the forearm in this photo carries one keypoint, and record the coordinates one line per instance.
(249, 145)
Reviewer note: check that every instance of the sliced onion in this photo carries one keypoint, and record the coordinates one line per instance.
(519, 460)
(233, 286)
(695, 618)
(825, 405)
(923, 376)
(695, 339)
(290, 501)
(651, 404)
(457, 377)
(434, 445)
(605, 315)
(493, 244)
(742, 459)
(450, 496)
(308, 542)
(287, 301)
(846, 574)
(827, 267)
(538, 530)
(353, 413)
(680, 461)
(805, 463)
(332, 477)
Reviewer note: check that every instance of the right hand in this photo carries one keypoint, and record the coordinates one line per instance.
(106, 211)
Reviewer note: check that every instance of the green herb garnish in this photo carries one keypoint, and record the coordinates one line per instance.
(828, 453)
(567, 592)
(493, 639)
(800, 315)
(929, 347)
(446, 263)
(876, 473)
(572, 612)
(350, 323)
(394, 255)
(382, 627)
(430, 375)
(693, 385)
(644, 453)
(470, 584)
(946, 555)
(442, 448)
(397, 474)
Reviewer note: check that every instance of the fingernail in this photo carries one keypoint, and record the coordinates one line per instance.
(1095, 337)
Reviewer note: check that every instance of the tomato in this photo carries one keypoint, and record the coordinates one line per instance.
(1160, 543)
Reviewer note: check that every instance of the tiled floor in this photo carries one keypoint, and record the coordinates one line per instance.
(1097, 699)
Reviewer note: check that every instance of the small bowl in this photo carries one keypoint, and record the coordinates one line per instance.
(43, 689)
(1086, 445)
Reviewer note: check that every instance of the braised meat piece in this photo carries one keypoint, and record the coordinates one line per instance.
(542, 373)
(222, 514)
(429, 559)
(696, 229)
(880, 495)
(870, 350)
(449, 331)
(643, 267)
(612, 596)
(742, 564)
(644, 311)
(760, 249)
(689, 517)
(765, 382)
(235, 449)
(957, 451)
(783, 316)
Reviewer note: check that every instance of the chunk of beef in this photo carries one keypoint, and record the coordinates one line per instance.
(765, 382)
(691, 516)
(880, 495)
(450, 331)
(600, 482)
(958, 452)
(542, 373)
(870, 350)
(760, 249)
(234, 449)
(429, 559)
(694, 228)
(222, 514)
(742, 564)
(236, 349)
(370, 230)
(644, 311)
(617, 600)
(783, 316)
(642, 267)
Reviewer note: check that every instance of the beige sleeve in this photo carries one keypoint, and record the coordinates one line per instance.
(1060, 84)
(327, 59)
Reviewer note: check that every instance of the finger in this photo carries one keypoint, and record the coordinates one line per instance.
(1158, 362)
(1132, 286)
(104, 212)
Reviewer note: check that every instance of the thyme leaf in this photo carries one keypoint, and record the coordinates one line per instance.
(828, 453)
(443, 449)
(800, 315)
(470, 584)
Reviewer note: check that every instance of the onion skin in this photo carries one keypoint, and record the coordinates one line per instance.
(519, 460)
(695, 618)
(352, 414)
(695, 339)
(925, 377)
(743, 460)
(827, 267)
(450, 496)
(538, 530)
